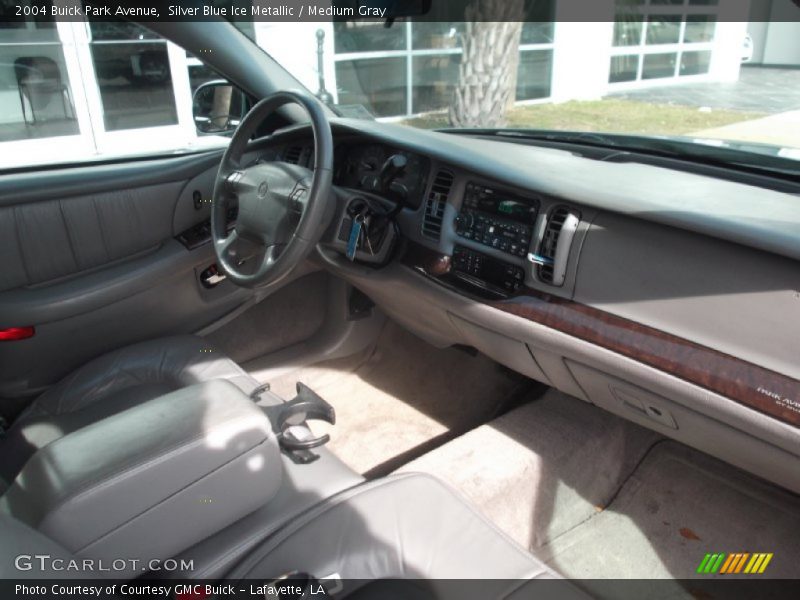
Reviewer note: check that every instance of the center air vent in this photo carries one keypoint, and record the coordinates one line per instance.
(293, 154)
(435, 204)
(556, 243)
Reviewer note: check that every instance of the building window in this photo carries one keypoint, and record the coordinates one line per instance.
(367, 36)
(628, 30)
(81, 90)
(659, 65)
(379, 84)
(624, 68)
(535, 74)
(535, 69)
(663, 29)
(661, 39)
(699, 29)
(414, 69)
(434, 78)
(695, 63)
(432, 36)
(133, 73)
(35, 98)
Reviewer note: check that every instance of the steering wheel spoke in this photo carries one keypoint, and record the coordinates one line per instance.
(222, 246)
(283, 216)
(273, 253)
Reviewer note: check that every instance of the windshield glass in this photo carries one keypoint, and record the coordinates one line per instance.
(666, 71)
(663, 68)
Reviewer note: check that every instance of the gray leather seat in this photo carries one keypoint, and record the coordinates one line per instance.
(407, 536)
(408, 527)
(110, 384)
(405, 527)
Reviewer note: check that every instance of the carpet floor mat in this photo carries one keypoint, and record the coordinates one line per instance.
(404, 398)
(543, 468)
(679, 505)
(600, 498)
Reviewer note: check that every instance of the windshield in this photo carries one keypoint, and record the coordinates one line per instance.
(673, 69)
(672, 72)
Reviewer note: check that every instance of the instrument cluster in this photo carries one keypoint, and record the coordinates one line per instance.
(360, 166)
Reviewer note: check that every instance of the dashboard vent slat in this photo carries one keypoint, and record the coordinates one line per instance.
(559, 218)
(293, 154)
(435, 204)
(550, 241)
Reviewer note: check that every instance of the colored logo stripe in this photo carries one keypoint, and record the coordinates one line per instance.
(711, 563)
(759, 564)
(737, 562)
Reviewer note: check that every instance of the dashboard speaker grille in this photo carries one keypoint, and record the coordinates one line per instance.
(550, 241)
(435, 204)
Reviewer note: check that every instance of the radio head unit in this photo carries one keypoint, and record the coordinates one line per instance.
(497, 219)
(500, 204)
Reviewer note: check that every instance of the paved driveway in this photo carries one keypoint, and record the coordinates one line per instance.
(758, 90)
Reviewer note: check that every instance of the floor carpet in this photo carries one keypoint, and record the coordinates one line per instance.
(599, 498)
(541, 469)
(404, 398)
(677, 506)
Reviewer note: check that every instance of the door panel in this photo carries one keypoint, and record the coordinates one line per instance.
(49, 240)
(92, 262)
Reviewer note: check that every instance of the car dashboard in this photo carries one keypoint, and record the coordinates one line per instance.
(660, 295)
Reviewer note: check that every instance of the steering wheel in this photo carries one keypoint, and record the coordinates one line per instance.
(281, 206)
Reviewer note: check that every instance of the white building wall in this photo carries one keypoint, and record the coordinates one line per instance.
(758, 33)
(294, 46)
(782, 44)
(581, 56)
(727, 52)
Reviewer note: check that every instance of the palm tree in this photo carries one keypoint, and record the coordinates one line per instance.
(489, 59)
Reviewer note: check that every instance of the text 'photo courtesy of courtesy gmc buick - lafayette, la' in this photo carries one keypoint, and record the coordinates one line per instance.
(400, 299)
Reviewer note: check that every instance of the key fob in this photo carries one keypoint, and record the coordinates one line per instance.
(355, 234)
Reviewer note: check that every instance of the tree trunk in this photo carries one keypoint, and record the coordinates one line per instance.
(221, 110)
(487, 74)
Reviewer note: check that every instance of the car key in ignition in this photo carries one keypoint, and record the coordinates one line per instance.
(355, 234)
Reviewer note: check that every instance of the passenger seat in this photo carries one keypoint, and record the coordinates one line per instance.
(406, 536)
(403, 527)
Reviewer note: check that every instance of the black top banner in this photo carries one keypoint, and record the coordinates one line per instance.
(388, 10)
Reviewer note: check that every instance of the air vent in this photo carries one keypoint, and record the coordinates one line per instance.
(556, 243)
(293, 154)
(435, 205)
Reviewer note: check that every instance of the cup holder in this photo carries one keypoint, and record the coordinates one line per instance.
(289, 422)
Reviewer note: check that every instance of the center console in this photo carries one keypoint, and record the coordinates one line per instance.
(500, 221)
(154, 479)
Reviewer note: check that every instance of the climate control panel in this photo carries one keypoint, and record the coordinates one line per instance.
(497, 219)
(488, 272)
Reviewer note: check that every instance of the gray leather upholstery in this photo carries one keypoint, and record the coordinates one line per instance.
(151, 466)
(184, 465)
(42, 241)
(17, 540)
(405, 527)
(110, 384)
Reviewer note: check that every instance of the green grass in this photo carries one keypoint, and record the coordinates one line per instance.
(610, 115)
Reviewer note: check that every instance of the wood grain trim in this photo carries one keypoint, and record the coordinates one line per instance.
(761, 389)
